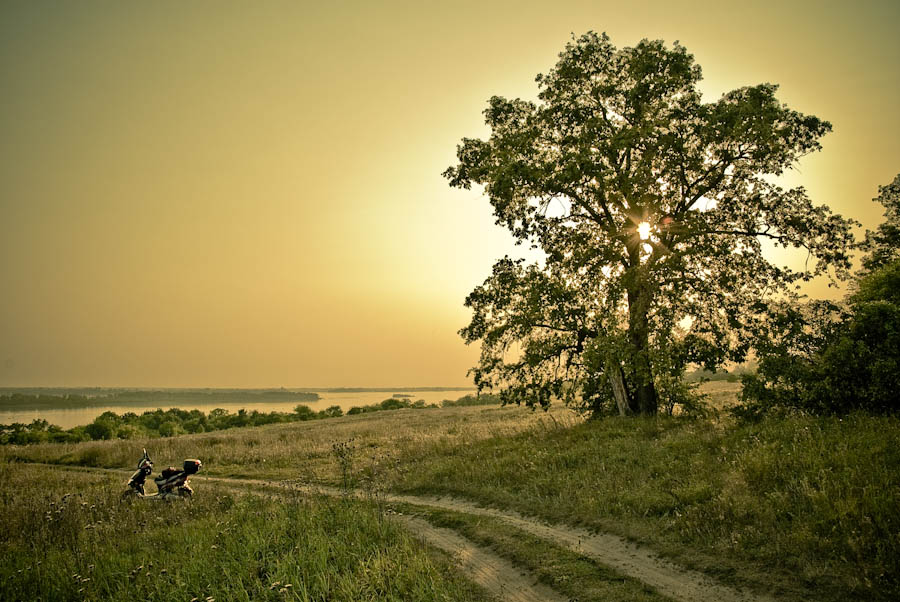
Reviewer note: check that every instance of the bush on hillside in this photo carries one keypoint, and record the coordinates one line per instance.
(830, 360)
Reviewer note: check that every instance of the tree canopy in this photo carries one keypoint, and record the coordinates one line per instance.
(882, 245)
(650, 206)
(823, 357)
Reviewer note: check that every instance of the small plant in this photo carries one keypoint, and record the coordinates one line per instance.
(343, 451)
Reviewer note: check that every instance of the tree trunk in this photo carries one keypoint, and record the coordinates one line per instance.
(617, 382)
(646, 399)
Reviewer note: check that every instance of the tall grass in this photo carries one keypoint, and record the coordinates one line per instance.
(68, 536)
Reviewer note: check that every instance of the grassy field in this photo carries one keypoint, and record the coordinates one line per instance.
(809, 505)
(802, 507)
(303, 450)
(67, 536)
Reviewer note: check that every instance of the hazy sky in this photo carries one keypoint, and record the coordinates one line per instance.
(249, 193)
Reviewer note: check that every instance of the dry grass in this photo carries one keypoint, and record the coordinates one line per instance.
(303, 450)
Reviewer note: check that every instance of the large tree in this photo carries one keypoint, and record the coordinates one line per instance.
(650, 207)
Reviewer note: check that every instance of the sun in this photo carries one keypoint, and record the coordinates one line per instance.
(644, 230)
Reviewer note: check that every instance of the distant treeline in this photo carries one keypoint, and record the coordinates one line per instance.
(168, 423)
(28, 401)
(380, 389)
(734, 376)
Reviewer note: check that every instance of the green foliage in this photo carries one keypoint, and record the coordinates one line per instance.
(332, 412)
(882, 246)
(481, 399)
(834, 362)
(155, 423)
(732, 376)
(619, 138)
(392, 403)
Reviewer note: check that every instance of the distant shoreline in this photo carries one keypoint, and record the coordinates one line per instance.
(14, 399)
(108, 390)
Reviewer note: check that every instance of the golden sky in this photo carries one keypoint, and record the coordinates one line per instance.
(249, 193)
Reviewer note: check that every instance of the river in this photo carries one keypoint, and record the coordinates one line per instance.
(67, 418)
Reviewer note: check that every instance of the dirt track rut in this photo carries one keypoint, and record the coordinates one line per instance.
(495, 574)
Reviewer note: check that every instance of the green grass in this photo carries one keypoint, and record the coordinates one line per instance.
(802, 505)
(67, 536)
(577, 577)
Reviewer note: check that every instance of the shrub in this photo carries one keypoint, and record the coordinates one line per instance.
(834, 362)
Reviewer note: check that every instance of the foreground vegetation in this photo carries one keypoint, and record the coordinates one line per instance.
(67, 536)
(798, 505)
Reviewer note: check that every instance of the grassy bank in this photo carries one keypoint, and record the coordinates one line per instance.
(67, 536)
(809, 505)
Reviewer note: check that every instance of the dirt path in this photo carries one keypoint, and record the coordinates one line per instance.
(629, 559)
(499, 576)
(492, 572)
(495, 574)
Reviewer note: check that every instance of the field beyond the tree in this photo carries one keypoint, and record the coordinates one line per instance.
(796, 507)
